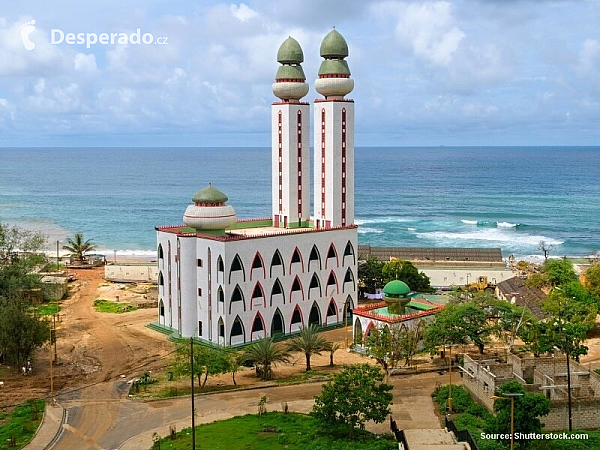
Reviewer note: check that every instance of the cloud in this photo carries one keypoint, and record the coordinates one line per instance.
(85, 63)
(243, 12)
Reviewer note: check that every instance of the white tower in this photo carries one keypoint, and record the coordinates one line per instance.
(334, 137)
(290, 134)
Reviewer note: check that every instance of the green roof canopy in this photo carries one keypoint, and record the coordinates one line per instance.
(290, 73)
(334, 45)
(334, 67)
(209, 194)
(290, 52)
(396, 288)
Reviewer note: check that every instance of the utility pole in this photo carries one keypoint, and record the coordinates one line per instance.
(51, 372)
(450, 387)
(192, 382)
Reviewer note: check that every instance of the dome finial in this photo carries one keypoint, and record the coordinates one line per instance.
(290, 79)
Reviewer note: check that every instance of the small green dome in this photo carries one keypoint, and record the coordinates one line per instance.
(290, 73)
(290, 52)
(209, 194)
(334, 67)
(334, 45)
(396, 288)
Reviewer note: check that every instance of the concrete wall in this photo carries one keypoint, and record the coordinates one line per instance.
(131, 273)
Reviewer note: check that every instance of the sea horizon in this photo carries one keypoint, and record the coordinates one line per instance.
(509, 197)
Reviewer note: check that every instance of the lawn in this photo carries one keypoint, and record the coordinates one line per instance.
(20, 424)
(107, 306)
(273, 431)
(48, 309)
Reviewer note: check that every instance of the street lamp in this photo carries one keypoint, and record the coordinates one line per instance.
(450, 386)
(512, 414)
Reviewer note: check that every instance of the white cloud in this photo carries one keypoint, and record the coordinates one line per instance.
(589, 59)
(243, 12)
(85, 63)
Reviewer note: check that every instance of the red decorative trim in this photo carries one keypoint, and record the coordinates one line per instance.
(262, 261)
(366, 311)
(337, 314)
(262, 291)
(322, 181)
(334, 99)
(301, 288)
(343, 166)
(208, 217)
(301, 259)
(290, 80)
(299, 144)
(337, 261)
(264, 330)
(288, 101)
(334, 75)
(301, 317)
(280, 150)
(209, 203)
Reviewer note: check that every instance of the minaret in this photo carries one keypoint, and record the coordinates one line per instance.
(334, 137)
(290, 134)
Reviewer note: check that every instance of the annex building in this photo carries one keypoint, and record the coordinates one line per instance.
(228, 281)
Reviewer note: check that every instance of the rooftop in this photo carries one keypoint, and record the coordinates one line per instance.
(247, 229)
(415, 308)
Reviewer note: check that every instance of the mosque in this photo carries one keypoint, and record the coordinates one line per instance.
(228, 281)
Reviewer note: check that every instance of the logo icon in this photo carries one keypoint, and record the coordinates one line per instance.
(26, 30)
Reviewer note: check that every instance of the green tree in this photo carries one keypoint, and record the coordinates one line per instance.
(265, 354)
(407, 272)
(592, 281)
(78, 248)
(20, 333)
(309, 342)
(370, 274)
(459, 324)
(528, 409)
(354, 396)
(207, 361)
(559, 271)
(332, 347)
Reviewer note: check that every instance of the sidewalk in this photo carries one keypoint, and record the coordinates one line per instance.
(49, 428)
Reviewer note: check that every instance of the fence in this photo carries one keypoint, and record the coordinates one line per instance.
(400, 437)
(461, 435)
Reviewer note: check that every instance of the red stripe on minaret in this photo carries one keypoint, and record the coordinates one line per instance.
(299, 141)
(343, 166)
(323, 164)
(279, 128)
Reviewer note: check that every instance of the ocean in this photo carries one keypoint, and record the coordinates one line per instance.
(507, 197)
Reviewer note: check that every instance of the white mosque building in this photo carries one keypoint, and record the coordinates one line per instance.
(228, 281)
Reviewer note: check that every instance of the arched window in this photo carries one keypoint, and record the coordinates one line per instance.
(277, 263)
(314, 258)
(314, 318)
(257, 263)
(349, 278)
(161, 279)
(221, 300)
(160, 252)
(161, 308)
(221, 327)
(237, 335)
(297, 292)
(315, 283)
(332, 309)
(277, 290)
(277, 324)
(258, 295)
(349, 251)
(331, 281)
(220, 269)
(237, 296)
(331, 254)
(237, 266)
(358, 333)
(297, 259)
(258, 324)
(297, 321)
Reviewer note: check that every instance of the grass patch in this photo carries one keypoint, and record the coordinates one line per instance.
(48, 309)
(19, 425)
(107, 306)
(304, 376)
(273, 431)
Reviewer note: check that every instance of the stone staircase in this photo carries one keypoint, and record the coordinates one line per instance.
(433, 439)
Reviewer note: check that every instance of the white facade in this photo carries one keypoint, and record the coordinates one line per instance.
(334, 162)
(290, 163)
(269, 285)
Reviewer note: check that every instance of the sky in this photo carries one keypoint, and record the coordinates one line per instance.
(427, 73)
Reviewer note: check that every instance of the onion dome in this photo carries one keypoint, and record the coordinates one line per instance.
(334, 74)
(290, 81)
(396, 288)
(209, 211)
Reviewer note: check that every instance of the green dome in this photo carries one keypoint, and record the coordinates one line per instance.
(290, 73)
(396, 288)
(290, 52)
(209, 194)
(334, 45)
(334, 67)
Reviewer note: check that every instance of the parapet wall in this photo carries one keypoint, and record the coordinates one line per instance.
(131, 273)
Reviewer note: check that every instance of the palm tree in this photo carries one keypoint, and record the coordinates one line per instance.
(308, 342)
(332, 347)
(265, 353)
(78, 247)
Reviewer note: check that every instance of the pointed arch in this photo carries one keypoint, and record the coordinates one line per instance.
(358, 333)
(277, 324)
(315, 282)
(237, 335)
(368, 330)
(236, 296)
(297, 290)
(161, 312)
(332, 253)
(277, 262)
(332, 281)
(349, 251)
(277, 289)
(349, 278)
(258, 263)
(258, 293)
(297, 258)
(220, 269)
(332, 314)
(220, 300)
(236, 266)
(314, 316)
(258, 327)
(161, 279)
(348, 307)
(161, 254)
(297, 320)
(314, 258)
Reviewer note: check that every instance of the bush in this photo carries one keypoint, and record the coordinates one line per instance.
(461, 399)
